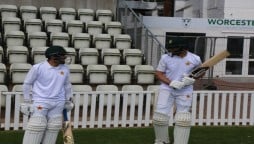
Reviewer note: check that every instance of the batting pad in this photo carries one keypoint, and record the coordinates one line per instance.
(35, 129)
(54, 125)
(160, 123)
(182, 127)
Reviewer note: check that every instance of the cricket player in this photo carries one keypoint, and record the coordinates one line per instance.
(51, 93)
(176, 89)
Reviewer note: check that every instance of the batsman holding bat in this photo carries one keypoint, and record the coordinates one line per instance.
(176, 89)
(51, 93)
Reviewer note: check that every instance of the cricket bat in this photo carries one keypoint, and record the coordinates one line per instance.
(67, 129)
(198, 72)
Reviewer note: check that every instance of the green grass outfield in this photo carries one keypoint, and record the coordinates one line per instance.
(199, 135)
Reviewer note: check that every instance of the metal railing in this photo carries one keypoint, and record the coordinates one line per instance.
(142, 37)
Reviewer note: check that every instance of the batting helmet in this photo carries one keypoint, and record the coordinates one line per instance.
(177, 42)
(55, 51)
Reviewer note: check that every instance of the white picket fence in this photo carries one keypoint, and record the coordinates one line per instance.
(134, 109)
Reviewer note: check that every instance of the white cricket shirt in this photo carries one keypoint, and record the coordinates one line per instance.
(175, 67)
(47, 82)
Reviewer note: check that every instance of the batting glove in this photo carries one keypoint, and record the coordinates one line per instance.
(26, 107)
(188, 80)
(176, 84)
(69, 105)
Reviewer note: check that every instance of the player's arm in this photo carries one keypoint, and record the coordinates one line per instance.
(68, 87)
(162, 77)
(68, 94)
(28, 82)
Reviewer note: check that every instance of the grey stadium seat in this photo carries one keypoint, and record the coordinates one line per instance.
(82, 88)
(1, 54)
(67, 14)
(144, 74)
(3, 88)
(28, 12)
(86, 15)
(59, 38)
(133, 88)
(33, 25)
(8, 10)
(121, 74)
(110, 56)
(38, 54)
(88, 56)
(81, 40)
(37, 39)
(132, 57)
(104, 15)
(18, 72)
(14, 38)
(71, 52)
(97, 74)
(94, 27)
(76, 73)
(122, 41)
(113, 28)
(155, 89)
(3, 73)
(74, 26)
(107, 88)
(48, 13)
(54, 25)
(17, 54)
(101, 41)
(11, 24)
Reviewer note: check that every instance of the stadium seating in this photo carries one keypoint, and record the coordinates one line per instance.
(1, 54)
(104, 15)
(37, 39)
(110, 56)
(74, 26)
(8, 10)
(71, 53)
(48, 13)
(81, 40)
(132, 57)
(113, 28)
(121, 74)
(122, 41)
(38, 54)
(86, 15)
(97, 74)
(88, 56)
(54, 25)
(17, 54)
(18, 72)
(94, 27)
(76, 73)
(14, 38)
(101, 41)
(144, 74)
(33, 25)
(28, 12)
(82, 88)
(155, 89)
(133, 88)
(11, 24)
(106, 88)
(3, 73)
(67, 14)
(3, 88)
(18, 88)
(101, 52)
(59, 38)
